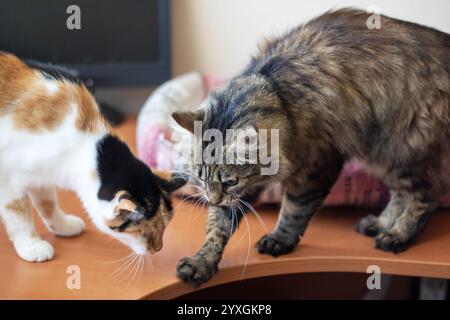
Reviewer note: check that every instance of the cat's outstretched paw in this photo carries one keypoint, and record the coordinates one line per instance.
(68, 226)
(268, 244)
(389, 241)
(368, 225)
(195, 270)
(36, 251)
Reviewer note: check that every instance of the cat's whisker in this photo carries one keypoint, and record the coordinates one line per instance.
(239, 240)
(122, 267)
(198, 211)
(141, 264)
(119, 260)
(126, 265)
(195, 204)
(203, 203)
(260, 219)
(233, 215)
(129, 278)
(194, 195)
(199, 201)
(184, 199)
(144, 260)
(249, 242)
(149, 262)
(201, 191)
(134, 271)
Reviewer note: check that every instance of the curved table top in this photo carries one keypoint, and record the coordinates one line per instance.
(330, 245)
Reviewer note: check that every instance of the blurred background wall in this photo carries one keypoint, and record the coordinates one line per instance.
(218, 36)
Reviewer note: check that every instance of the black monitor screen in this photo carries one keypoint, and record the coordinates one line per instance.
(113, 32)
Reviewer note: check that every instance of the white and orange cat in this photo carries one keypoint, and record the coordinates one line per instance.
(53, 136)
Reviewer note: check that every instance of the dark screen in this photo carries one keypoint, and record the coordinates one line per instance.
(112, 31)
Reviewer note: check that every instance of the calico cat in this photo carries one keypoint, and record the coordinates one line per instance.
(52, 135)
(336, 91)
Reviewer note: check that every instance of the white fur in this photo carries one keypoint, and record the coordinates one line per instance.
(51, 86)
(33, 163)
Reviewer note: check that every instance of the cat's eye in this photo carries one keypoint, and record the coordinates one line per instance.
(230, 182)
(121, 227)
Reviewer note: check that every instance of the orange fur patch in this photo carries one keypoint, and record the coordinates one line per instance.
(47, 208)
(19, 206)
(23, 93)
(14, 77)
(88, 118)
(42, 111)
(125, 203)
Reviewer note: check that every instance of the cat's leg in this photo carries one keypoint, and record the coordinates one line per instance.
(372, 225)
(296, 211)
(18, 220)
(420, 194)
(222, 222)
(57, 221)
(299, 204)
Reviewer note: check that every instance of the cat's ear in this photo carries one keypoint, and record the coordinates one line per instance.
(122, 198)
(125, 204)
(186, 119)
(125, 211)
(173, 183)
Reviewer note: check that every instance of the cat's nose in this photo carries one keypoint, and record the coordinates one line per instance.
(215, 199)
(156, 244)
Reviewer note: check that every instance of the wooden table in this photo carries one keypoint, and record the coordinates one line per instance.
(330, 245)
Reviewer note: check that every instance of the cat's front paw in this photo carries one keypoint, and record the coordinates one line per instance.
(195, 270)
(269, 244)
(36, 251)
(390, 241)
(368, 225)
(68, 226)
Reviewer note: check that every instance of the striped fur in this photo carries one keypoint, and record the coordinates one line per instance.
(339, 91)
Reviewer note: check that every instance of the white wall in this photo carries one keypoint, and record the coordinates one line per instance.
(218, 36)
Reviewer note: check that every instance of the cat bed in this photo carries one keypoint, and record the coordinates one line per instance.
(354, 187)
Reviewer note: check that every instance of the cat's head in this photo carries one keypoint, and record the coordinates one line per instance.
(250, 106)
(137, 204)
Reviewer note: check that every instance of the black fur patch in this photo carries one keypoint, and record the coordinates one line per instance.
(119, 170)
(53, 71)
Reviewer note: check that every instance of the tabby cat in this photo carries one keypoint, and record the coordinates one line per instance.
(52, 135)
(337, 91)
